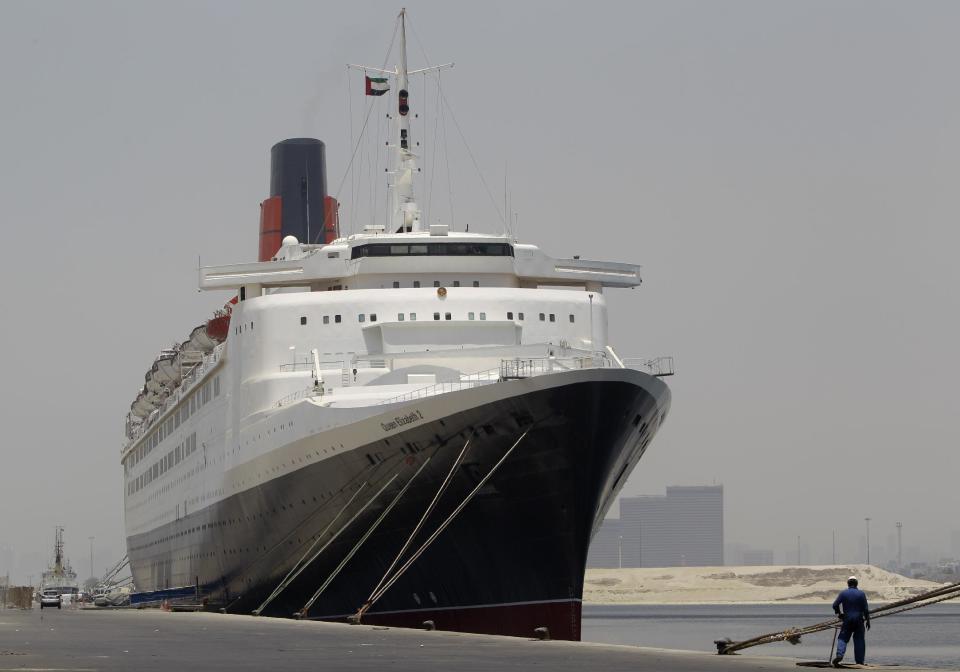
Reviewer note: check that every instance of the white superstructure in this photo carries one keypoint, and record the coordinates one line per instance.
(354, 324)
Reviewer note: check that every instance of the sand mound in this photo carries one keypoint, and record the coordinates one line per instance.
(723, 585)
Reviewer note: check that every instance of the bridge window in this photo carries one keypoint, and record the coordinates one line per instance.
(361, 318)
(483, 316)
(543, 317)
(303, 320)
(456, 283)
(520, 316)
(400, 317)
(436, 316)
(571, 318)
(553, 318)
(433, 249)
(373, 317)
(469, 316)
(326, 319)
(447, 316)
(413, 317)
(476, 283)
(396, 285)
(416, 283)
(436, 283)
(336, 318)
(509, 315)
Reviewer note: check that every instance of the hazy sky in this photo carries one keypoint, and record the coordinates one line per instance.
(785, 172)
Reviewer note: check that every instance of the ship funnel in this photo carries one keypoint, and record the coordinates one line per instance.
(298, 204)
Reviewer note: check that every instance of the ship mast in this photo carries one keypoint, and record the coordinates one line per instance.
(58, 551)
(404, 212)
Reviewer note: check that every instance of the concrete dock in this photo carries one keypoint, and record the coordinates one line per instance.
(151, 640)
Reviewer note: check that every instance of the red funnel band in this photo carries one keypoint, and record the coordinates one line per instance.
(271, 227)
(331, 219)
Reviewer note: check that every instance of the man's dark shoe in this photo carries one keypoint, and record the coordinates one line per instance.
(836, 661)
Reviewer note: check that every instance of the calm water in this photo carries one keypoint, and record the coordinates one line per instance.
(927, 637)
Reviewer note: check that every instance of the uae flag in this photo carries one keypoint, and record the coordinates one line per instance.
(377, 86)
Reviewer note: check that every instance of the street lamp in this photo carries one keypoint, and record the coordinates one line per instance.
(868, 539)
(620, 551)
(899, 547)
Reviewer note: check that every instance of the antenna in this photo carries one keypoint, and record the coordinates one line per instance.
(404, 213)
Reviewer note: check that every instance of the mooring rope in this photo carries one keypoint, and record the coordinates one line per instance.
(287, 579)
(793, 635)
(377, 595)
(329, 541)
(365, 536)
(416, 529)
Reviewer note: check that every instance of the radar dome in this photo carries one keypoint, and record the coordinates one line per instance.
(290, 240)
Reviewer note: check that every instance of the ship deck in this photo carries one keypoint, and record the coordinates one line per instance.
(151, 640)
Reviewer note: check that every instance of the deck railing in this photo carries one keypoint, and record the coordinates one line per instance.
(514, 369)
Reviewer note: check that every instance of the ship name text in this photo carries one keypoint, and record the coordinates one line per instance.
(400, 420)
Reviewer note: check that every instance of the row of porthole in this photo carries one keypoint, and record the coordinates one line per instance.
(436, 283)
(192, 404)
(230, 521)
(372, 317)
(179, 481)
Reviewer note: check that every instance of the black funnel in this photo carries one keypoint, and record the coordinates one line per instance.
(298, 175)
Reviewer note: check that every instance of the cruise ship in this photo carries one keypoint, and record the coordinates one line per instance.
(406, 425)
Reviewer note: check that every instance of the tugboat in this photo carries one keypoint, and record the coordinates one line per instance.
(59, 576)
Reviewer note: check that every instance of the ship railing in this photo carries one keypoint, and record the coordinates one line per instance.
(466, 382)
(656, 366)
(527, 367)
(305, 393)
(347, 362)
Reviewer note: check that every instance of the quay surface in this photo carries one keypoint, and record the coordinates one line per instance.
(151, 641)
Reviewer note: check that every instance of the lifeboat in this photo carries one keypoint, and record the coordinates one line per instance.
(150, 382)
(199, 340)
(155, 398)
(187, 358)
(140, 407)
(167, 373)
(218, 327)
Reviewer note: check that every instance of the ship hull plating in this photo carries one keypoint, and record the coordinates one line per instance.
(511, 561)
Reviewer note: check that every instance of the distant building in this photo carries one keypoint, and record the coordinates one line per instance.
(682, 528)
(605, 547)
(758, 557)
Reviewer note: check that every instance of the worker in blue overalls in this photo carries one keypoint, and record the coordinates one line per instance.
(856, 617)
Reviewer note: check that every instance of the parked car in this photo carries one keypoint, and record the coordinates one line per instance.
(50, 598)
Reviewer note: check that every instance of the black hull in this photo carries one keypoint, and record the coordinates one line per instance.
(513, 559)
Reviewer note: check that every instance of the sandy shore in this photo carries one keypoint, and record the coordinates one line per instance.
(750, 585)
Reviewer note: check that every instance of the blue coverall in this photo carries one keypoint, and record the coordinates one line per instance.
(855, 614)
